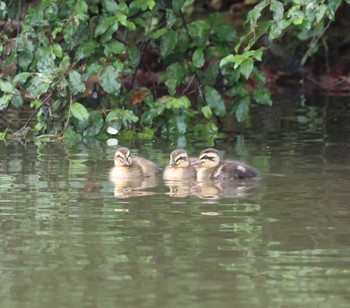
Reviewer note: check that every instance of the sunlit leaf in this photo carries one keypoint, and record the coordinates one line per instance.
(76, 83)
(21, 78)
(17, 100)
(114, 47)
(246, 68)
(5, 101)
(110, 6)
(79, 112)
(39, 85)
(6, 86)
(105, 24)
(215, 101)
(143, 4)
(278, 9)
(198, 58)
(207, 112)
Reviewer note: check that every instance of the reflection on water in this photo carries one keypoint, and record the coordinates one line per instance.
(132, 187)
(67, 241)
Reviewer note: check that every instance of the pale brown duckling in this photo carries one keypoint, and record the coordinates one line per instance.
(180, 166)
(214, 167)
(127, 167)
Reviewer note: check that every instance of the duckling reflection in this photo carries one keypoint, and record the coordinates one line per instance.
(132, 187)
(179, 188)
(217, 190)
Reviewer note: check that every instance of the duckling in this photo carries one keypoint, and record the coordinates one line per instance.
(127, 167)
(214, 167)
(180, 166)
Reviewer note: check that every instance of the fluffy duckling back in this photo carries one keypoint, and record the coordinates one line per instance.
(214, 167)
(180, 166)
(127, 167)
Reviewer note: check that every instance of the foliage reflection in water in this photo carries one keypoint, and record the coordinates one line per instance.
(72, 237)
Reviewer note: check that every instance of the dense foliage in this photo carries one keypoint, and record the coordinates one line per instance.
(164, 67)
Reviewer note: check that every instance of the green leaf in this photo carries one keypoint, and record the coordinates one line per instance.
(76, 83)
(176, 103)
(25, 54)
(70, 138)
(114, 47)
(207, 112)
(242, 109)
(143, 4)
(215, 101)
(225, 33)
(160, 32)
(168, 42)
(198, 58)
(5, 101)
(95, 124)
(199, 31)
(81, 7)
(86, 49)
(17, 100)
(177, 5)
(211, 74)
(6, 87)
(262, 96)
(57, 50)
(79, 112)
(277, 9)
(246, 68)
(105, 24)
(174, 76)
(39, 85)
(110, 6)
(110, 81)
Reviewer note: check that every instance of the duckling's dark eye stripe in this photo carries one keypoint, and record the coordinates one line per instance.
(180, 158)
(211, 158)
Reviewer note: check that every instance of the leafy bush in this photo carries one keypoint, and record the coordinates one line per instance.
(87, 65)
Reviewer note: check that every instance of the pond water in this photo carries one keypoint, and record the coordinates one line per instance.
(72, 238)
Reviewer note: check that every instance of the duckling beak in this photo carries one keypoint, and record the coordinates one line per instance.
(127, 161)
(196, 162)
(172, 164)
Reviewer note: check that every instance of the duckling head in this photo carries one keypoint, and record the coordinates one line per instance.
(122, 157)
(179, 159)
(210, 158)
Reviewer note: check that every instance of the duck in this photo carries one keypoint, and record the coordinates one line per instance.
(126, 167)
(214, 167)
(180, 166)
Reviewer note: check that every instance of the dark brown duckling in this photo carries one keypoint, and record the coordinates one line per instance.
(214, 167)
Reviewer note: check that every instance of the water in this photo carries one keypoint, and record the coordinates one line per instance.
(70, 238)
